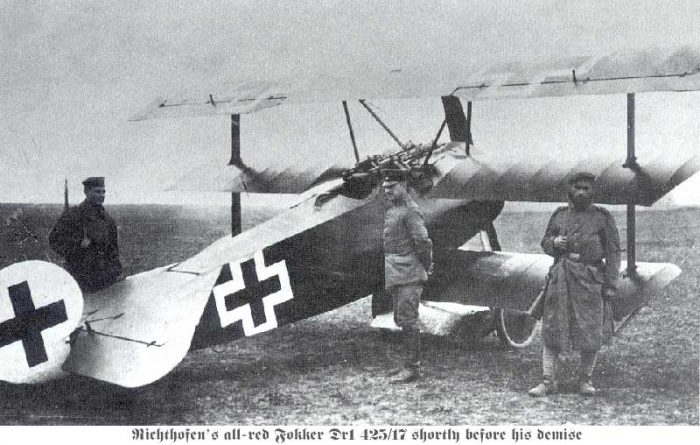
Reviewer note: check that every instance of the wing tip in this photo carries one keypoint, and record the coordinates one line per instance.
(146, 114)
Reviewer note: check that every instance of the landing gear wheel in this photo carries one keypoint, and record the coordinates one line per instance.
(515, 329)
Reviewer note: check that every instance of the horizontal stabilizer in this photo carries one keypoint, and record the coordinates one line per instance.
(515, 178)
(138, 330)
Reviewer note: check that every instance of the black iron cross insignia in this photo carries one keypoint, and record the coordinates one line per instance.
(251, 293)
(29, 322)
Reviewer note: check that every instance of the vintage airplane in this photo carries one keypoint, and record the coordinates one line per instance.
(324, 251)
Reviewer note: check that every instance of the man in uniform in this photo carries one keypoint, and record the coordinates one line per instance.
(585, 244)
(407, 263)
(86, 237)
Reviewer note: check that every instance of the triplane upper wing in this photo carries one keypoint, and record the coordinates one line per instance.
(656, 69)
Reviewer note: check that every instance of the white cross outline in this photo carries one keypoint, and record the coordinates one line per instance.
(243, 313)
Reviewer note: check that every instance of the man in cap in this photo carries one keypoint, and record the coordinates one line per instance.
(86, 237)
(585, 244)
(407, 263)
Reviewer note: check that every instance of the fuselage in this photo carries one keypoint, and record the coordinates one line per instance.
(323, 268)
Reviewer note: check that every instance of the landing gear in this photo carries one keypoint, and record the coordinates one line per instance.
(515, 329)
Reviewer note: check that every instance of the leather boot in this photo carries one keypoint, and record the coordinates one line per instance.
(411, 370)
(414, 349)
(407, 375)
(547, 387)
(585, 386)
(393, 371)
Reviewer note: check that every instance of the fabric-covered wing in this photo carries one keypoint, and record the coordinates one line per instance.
(513, 280)
(243, 99)
(231, 178)
(636, 71)
(517, 178)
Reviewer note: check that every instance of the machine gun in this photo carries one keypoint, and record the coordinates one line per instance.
(411, 158)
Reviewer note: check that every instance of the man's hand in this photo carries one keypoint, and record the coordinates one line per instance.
(85, 242)
(609, 293)
(560, 242)
(430, 269)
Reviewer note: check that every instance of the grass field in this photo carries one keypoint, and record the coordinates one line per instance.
(329, 369)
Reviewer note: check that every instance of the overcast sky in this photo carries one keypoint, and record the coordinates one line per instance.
(72, 73)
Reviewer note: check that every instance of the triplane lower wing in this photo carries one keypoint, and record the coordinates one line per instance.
(325, 250)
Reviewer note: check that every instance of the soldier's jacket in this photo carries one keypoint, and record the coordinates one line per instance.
(573, 312)
(96, 266)
(408, 251)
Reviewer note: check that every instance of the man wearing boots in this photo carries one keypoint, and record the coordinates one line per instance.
(585, 244)
(407, 263)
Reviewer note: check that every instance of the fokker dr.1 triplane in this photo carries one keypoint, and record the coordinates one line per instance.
(325, 250)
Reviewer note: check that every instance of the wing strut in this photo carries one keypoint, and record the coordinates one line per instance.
(374, 115)
(631, 163)
(492, 236)
(66, 205)
(352, 134)
(235, 160)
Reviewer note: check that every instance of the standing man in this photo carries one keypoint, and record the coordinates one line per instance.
(584, 242)
(408, 259)
(86, 237)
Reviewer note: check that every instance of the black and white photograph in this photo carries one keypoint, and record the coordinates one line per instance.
(300, 221)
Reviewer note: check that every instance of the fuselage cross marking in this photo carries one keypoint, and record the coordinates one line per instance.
(252, 293)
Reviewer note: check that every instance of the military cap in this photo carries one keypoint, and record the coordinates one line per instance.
(393, 176)
(94, 181)
(582, 176)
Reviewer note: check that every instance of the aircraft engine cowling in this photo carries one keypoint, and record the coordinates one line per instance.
(40, 306)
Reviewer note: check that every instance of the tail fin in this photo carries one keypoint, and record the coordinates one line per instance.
(40, 306)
